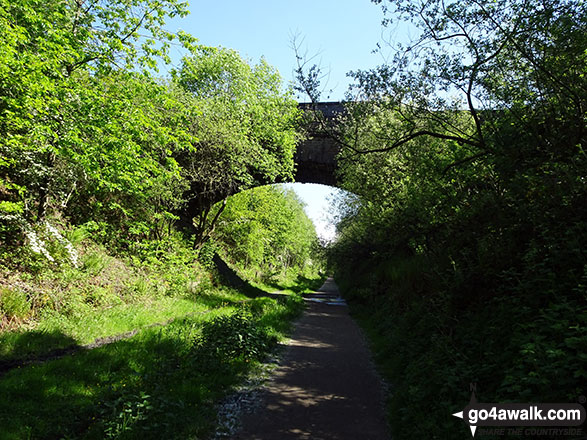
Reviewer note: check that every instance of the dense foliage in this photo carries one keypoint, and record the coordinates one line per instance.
(67, 88)
(90, 134)
(246, 130)
(266, 231)
(465, 253)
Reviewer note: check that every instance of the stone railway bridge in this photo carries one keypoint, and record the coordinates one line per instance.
(315, 160)
(316, 156)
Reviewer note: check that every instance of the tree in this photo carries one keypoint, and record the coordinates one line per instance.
(118, 161)
(492, 58)
(245, 129)
(266, 232)
(48, 51)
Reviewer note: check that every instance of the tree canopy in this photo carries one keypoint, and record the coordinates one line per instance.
(89, 131)
(266, 229)
(246, 128)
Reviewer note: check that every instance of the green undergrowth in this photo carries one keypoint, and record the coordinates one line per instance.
(196, 338)
(298, 285)
(46, 306)
(57, 331)
(430, 353)
(299, 282)
(162, 383)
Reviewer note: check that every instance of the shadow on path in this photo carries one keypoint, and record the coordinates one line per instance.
(326, 386)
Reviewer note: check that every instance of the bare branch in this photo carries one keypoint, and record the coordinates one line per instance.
(421, 133)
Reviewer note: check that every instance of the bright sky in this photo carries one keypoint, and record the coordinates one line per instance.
(343, 32)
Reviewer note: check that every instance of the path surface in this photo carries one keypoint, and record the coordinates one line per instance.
(326, 386)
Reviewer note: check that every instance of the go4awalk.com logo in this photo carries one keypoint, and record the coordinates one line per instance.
(526, 415)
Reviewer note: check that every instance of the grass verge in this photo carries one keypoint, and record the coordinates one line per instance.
(84, 325)
(162, 383)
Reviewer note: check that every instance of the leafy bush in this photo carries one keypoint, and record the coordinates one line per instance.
(94, 262)
(234, 336)
(14, 303)
(123, 413)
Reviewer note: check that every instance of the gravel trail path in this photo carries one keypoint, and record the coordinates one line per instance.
(326, 386)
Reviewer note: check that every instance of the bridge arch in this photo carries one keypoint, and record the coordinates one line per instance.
(315, 162)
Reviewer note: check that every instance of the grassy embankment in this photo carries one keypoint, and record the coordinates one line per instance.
(161, 383)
